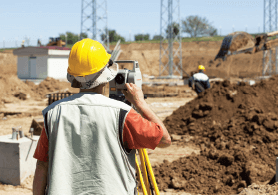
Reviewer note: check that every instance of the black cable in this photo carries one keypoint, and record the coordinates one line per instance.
(151, 187)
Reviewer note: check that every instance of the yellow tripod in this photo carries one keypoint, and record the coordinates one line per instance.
(144, 180)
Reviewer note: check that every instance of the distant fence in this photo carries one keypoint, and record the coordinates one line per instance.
(57, 96)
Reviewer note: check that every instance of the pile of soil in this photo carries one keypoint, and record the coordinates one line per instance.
(236, 129)
(13, 89)
(8, 63)
(260, 189)
(11, 86)
(241, 40)
(51, 85)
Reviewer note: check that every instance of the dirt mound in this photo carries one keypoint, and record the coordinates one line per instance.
(51, 85)
(236, 128)
(8, 63)
(241, 40)
(11, 86)
(260, 189)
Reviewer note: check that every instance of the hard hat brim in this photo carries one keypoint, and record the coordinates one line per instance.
(91, 81)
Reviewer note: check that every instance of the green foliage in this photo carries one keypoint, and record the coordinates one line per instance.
(157, 37)
(184, 39)
(197, 26)
(142, 37)
(71, 37)
(193, 39)
(113, 36)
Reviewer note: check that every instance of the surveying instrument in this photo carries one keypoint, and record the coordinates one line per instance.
(147, 179)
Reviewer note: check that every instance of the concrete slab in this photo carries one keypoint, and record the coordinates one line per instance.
(16, 159)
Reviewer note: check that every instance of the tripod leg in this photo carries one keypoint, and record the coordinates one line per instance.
(145, 175)
(151, 171)
(140, 177)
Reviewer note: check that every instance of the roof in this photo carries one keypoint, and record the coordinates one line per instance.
(55, 47)
(42, 50)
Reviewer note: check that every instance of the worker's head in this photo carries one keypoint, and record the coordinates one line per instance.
(90, 65)
(201, 68)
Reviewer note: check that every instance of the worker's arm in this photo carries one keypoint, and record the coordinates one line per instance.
(207, 86)
(136, 97)
(40, 178)
(190, 81)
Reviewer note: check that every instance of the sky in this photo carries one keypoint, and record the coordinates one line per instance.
(36, 19)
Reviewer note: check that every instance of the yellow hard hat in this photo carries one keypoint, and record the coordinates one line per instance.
(201, 67)
(87, 57)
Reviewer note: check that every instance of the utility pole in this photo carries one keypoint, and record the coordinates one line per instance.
(170, 39)
(270, 24)
(94, 21)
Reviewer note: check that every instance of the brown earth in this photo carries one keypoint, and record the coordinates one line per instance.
(241, 40)
(194, 54)
(260, 189)
(236, 127)
(231, 124)
(147, 54)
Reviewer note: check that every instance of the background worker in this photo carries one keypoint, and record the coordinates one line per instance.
(89, 140)
(200, 78)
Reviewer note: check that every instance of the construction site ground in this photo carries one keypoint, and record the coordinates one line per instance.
(20, 102)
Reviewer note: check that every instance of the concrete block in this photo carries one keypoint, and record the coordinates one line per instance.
(16, 159)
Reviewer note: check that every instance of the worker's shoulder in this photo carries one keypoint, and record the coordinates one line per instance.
(89, 100)
(200, 76)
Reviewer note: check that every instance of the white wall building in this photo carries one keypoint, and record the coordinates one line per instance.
(41, 62)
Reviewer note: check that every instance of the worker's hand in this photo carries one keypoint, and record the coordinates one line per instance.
(133, 94)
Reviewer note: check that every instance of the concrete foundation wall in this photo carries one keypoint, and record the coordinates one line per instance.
(16, 159)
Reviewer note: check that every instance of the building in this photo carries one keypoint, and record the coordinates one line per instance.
(37, 63)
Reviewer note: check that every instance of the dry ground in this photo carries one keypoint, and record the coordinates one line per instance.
(161, 106)
(147, 55)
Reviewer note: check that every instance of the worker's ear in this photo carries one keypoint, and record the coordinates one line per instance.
(76, 84)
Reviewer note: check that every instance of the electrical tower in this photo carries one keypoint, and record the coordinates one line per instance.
(270, 24)
(94, 21)
(170, 60)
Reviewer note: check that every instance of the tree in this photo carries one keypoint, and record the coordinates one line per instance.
(113, 36)
(157, 37)
(212, 31)
(71, 37)
(142, 37)
(198, 26)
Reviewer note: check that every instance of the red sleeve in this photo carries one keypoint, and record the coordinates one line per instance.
(41, 152)
(138, 132)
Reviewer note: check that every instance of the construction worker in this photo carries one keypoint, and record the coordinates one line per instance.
(88, 142)
(201, 80)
